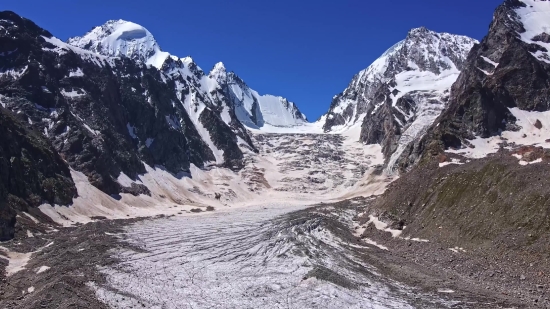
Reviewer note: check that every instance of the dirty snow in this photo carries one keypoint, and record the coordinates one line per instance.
(382, 226)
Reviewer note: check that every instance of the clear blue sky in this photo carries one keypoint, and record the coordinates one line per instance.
(305, 50)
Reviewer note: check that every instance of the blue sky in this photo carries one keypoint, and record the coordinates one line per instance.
(304, 50)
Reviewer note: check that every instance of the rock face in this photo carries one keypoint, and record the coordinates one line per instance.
(509, 68)
(401, 93)
(31, 172)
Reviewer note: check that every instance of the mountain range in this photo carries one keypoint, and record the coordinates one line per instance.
(112, 103)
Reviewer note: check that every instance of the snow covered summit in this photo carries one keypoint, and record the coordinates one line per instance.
(122, 38)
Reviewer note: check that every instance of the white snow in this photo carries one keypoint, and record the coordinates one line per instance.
(123, 38)
(425, 44)
(453, 161)
(255, 110)
(62, 48)
(495, 64)
(42, 269)
(13, 73)
(205, 135)
(94, 132)
(374, 243)
(532, 162)
(424, 81)
(31, 217)
(527, 135)
(149, 141)
(76, 73)
(382, 226)
(458, 250)
(31, 289)
(73, 93)
(16, 261)
(535, 17)
(45, 89)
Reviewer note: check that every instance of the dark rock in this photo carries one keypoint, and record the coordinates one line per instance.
(136, 190)
(479, 103)
(31, 172)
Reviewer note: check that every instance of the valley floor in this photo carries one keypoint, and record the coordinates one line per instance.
(288, 232)
(270, 256)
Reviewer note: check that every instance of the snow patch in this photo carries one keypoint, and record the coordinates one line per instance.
(453, 161)
(534, 17)
(42, 269)
(76, 73)
(73, 93)
(495, 64)
(381, 226)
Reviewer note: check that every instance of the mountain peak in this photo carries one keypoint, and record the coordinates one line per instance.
(423, 53)
(117, 38)
(219, 66)
(219, 73)
(419, 31)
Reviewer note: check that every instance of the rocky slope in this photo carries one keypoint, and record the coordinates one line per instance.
(398, 96)
(111, 101)
(508, 69)
(480, 185)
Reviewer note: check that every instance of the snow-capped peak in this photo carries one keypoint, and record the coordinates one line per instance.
(422, 53)
(118, 38)
(219, 73)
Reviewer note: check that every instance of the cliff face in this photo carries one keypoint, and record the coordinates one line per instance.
(508, 69)
(31, 172)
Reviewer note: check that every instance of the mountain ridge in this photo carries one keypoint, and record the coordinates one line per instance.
(125, 38)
